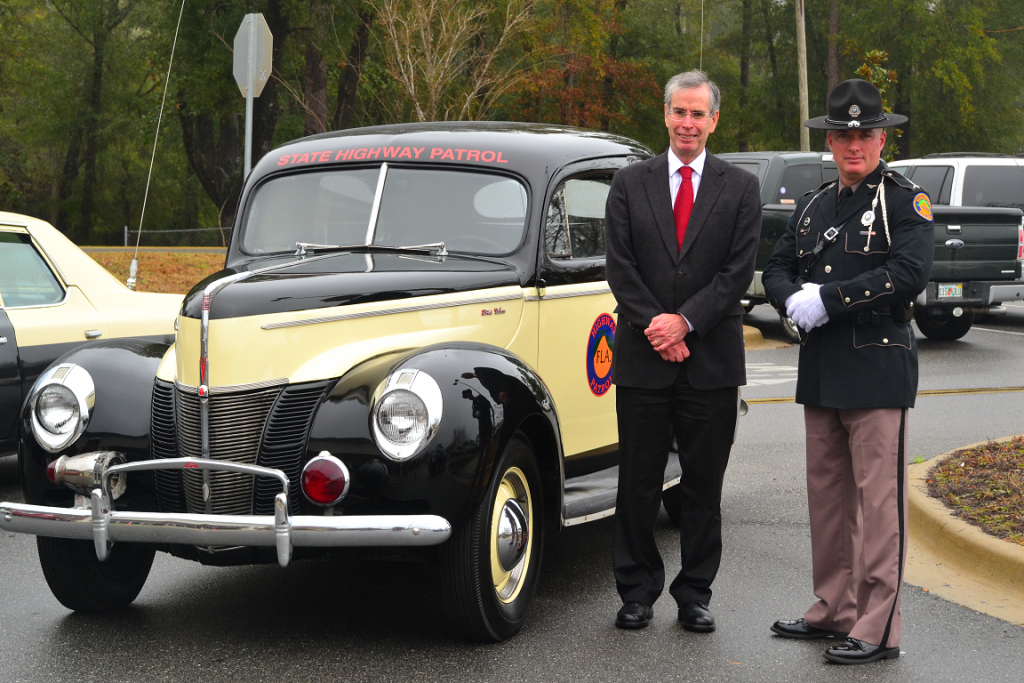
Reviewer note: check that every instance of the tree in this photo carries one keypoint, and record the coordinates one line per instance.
(447, 56)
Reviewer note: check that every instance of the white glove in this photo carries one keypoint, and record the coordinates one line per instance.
(805, 307)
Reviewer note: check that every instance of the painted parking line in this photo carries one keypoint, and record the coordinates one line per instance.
(929, 392)
(989, 329)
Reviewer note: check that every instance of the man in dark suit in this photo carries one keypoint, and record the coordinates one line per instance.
(855, 255)
(681, 232)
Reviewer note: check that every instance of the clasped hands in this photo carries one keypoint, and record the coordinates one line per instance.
(806, 308)
(666, 334)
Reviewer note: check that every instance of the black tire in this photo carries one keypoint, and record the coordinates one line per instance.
(943, 327)
(790, 329)
(672, 501)
(484, 604)
(82, 583)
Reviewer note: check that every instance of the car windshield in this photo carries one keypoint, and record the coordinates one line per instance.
(479, 213)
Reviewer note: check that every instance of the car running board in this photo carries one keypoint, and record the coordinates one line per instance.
(592, 496)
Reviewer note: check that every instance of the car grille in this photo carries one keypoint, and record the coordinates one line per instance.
(267, 426)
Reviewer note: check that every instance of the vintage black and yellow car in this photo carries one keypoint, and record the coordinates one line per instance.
(409, 347)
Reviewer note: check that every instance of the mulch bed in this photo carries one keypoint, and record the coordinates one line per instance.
(985, 486)
(163, 272)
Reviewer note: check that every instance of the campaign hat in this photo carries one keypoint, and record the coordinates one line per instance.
(852, 105)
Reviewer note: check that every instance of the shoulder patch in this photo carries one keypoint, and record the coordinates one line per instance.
(923, 206)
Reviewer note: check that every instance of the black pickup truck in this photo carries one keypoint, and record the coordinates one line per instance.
(978, 249)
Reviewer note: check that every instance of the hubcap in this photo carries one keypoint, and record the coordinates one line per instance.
(513, 535)
(511, 540)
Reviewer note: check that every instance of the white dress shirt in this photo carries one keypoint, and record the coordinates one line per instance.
(675, 179)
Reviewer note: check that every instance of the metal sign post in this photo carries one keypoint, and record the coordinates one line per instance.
(252, 64)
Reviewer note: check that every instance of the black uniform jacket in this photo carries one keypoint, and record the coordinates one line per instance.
(649, 274)
(857, 359)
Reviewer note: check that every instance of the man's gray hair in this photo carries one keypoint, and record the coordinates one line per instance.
(693, 79)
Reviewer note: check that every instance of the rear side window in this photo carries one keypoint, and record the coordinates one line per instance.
(25, 279)
(993, 186)
(796, 180)
(575, 220)
(936, 180)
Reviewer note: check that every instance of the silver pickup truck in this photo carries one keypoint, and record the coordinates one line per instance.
(979, 229)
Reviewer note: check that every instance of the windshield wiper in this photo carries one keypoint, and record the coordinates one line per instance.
(436, 249)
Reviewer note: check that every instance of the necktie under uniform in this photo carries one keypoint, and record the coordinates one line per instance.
(684, 204)
(844, 195)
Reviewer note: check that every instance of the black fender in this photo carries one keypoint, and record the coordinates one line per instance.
(488, 395)
(123, 371)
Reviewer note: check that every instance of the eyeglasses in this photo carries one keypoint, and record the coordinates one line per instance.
(680, 115)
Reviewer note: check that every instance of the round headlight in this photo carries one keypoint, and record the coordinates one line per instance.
(61, 406)
(406, 413)
(402, 417)
(57, 410)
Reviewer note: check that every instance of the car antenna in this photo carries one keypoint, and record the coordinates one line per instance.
(134, 268)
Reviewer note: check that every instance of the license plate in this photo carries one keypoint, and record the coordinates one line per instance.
(951, 291)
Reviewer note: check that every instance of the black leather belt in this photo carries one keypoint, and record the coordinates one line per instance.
(872, 317)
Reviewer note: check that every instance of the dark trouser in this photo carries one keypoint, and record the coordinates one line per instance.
(857, 495)
(704, 423)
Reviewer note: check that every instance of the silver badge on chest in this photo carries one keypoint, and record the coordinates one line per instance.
(868, 218)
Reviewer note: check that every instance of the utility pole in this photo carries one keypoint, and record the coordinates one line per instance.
(801, 62)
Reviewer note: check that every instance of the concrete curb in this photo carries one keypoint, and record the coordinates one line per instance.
(957, 560)
(753, 340)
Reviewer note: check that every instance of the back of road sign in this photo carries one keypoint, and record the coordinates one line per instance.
(264, 55)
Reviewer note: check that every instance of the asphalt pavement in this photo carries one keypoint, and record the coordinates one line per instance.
(367, 621)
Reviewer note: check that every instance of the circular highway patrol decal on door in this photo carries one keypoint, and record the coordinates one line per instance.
(599, 354)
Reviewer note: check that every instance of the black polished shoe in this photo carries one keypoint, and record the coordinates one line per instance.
(695, 616)
(634, 615)
(853, 651)
(801, 630)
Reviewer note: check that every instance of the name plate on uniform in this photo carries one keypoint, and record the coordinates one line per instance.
(951, 291)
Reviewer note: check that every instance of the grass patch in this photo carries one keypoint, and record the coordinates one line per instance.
(985, 486)
(165, 272)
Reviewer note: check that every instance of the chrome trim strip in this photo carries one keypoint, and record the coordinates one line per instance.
(378, 194)
(392, 311)
(588, 518)
(582, 292)
(67, 295)
(228, 530)
(233, 388)
(49, 258)
(573, 521)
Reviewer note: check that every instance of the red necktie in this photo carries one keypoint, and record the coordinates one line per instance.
(684, 204)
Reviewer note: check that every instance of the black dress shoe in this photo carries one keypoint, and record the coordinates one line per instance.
(853, 651)
(634, 615)
(695, 616)
(801, 630)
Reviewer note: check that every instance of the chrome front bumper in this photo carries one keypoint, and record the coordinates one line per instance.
(105, 526)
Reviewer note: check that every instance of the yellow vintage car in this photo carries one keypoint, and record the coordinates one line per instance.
(409, 347)
(53, 299)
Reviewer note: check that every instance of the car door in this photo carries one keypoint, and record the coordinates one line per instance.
(49, 317)
(10, 380)
(577, 314)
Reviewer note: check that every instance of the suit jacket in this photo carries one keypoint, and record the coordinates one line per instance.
(704, 280)
(862, 357)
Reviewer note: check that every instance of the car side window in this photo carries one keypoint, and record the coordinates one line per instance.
(937, 181)
(574, 228)
(796, 180)
(25, 279)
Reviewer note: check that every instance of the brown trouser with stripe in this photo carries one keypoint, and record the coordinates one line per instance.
(857, 494)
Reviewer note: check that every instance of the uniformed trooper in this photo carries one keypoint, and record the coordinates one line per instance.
(856, 253)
